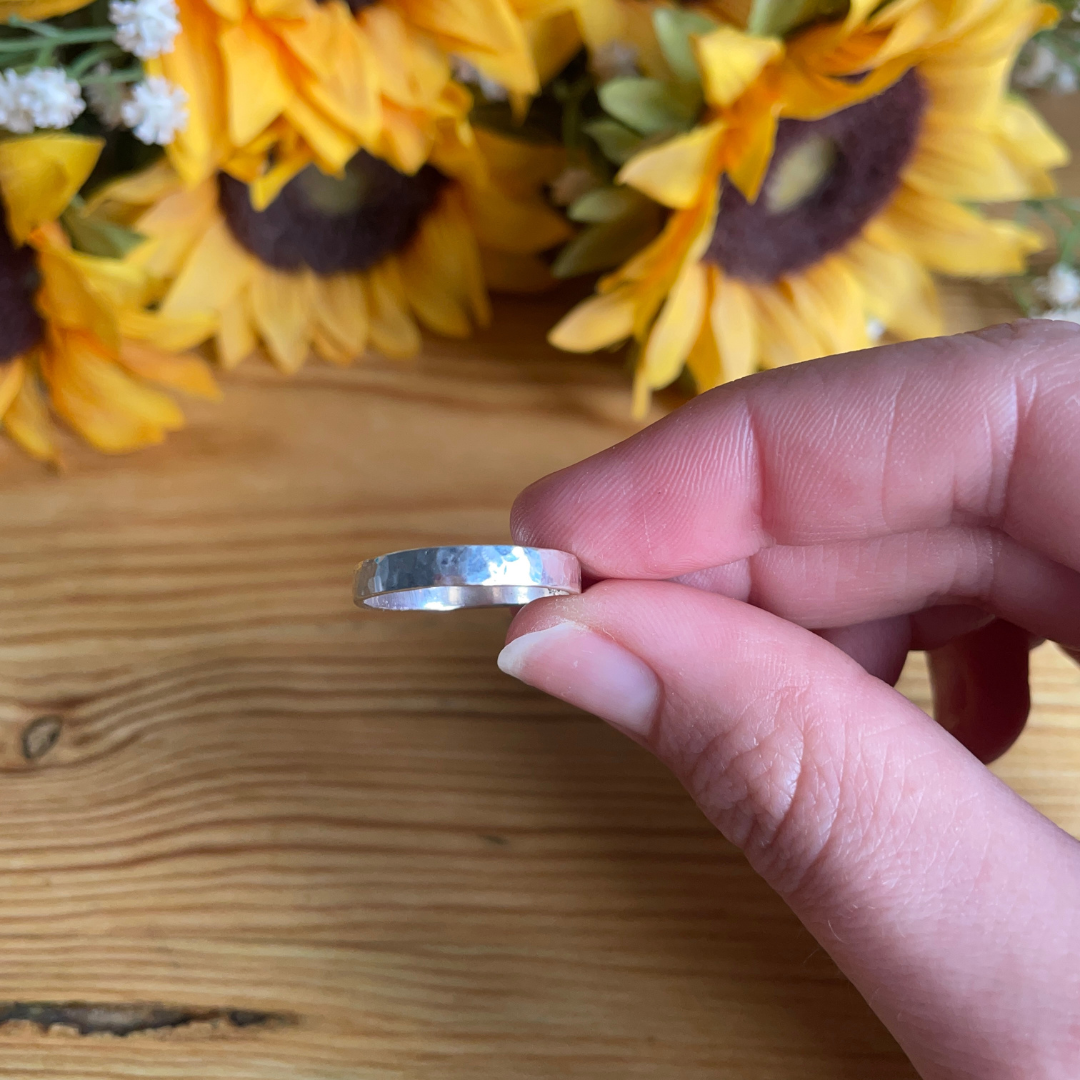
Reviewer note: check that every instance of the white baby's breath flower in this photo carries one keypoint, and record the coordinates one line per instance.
(573, 182)
(42, 98)
(1061, 286)
(471, 75)
(14, 116)
(614, 59)
(106, 99)
(875, 329)
(146, 28)
(156, 110)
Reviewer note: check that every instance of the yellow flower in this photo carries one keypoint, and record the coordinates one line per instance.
(829, 174)
(38, 9)
(76, 328)
(557, 29)
(487, 33)
(336, 264)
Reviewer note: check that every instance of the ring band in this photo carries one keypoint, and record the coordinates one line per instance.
(470, 575)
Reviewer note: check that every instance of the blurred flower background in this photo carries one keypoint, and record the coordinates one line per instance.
(742, 184)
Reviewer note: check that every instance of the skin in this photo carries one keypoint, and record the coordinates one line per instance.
(765, 557)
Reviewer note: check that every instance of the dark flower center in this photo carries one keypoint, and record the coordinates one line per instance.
(332, 224)
(20, 324)
(827, 179)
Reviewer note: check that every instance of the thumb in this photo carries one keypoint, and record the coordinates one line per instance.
(946, 899)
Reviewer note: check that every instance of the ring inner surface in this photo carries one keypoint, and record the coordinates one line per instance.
(451, 597)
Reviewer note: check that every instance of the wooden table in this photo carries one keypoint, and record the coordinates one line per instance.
(287, 839)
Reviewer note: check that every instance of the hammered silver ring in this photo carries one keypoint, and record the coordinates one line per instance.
(467, 575)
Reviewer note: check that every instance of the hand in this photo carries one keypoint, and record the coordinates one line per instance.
(769, 553)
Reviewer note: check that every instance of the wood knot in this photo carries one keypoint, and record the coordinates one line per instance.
(40, 736)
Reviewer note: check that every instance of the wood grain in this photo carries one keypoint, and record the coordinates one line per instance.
(341, 844)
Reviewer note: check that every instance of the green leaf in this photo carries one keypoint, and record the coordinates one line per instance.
(674, 27)
(605, 204)
(650, 106)
(96, 237)
(617, 143)
(775, 18)
(608, 243)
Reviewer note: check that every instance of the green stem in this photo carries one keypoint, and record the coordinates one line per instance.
(41, 28)
(126, 75)
(84, 36)
(91, 58)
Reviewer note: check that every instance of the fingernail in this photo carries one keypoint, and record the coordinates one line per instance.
(588, 670)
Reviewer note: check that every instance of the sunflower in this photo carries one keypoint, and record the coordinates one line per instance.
(334, 264)
(76, 331)
(826, 177)
(274, 85)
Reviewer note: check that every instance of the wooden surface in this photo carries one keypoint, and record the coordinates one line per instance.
(294, 840)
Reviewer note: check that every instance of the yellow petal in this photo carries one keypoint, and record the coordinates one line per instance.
(27, 421)
(176, 370)
(12, 374)
(292, 10)
(341, 312)
(829, 299)
(899, 292)
(1028, 137)
(731, 60)
(171, 332)
(40, 175)
(116, 282)
(195, 65)
(287, 158)
(553, 42)
(703, 361)
(954, 162)
(674, 172)
(235, 337)
(677, 327)
(330, 143)
(392, 329)
(952, 239)
(441, 271)
(66, 300)
(329, 349)
(281, 307)
(173, 227)
(122, 200)
(518, 226)
(348, 89)
(215, 271)
(521, 167)
(38, 9)
(112, 410)
(785, 338)
(252, 59)
(733, 319)
(487, 33)
(596, 323)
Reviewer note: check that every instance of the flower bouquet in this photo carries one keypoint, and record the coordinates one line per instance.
(186, 183)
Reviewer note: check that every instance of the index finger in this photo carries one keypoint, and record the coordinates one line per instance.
(978, 430)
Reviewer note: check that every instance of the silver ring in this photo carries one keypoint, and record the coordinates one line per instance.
(470, 575)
